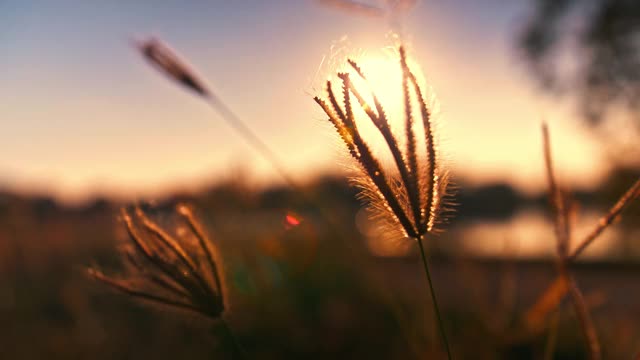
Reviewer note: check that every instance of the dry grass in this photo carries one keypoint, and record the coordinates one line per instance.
(168, 62)
(408, 197)
(410, 202)
(178, 268)
(563, 214)
(170, 270)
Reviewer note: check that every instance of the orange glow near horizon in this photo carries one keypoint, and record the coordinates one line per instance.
(95, 119)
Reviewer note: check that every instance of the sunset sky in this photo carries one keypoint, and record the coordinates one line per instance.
(81, 113)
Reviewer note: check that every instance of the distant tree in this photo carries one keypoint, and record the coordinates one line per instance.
(587, 48)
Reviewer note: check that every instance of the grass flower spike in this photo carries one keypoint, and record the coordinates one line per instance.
(167, 61)
(409, 197)
(169, 270)
(412, 199)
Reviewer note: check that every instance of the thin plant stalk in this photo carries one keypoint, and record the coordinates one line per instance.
(251, 138)
(562, 211)
(557, 290)
(552, 338)
(434, 299)
(584, 318)
(163, 58)
(238, 351)
(412, 202)
(624, 201)
(165, 269)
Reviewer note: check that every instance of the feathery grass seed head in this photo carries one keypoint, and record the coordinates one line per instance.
(167, 61)
(409, 196)
(169, 269)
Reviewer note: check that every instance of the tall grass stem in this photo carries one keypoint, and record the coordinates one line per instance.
(238, 351)
(436, 308)
(552, 338)
(251, 137)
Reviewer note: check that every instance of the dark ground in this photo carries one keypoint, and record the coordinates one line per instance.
(308, 291)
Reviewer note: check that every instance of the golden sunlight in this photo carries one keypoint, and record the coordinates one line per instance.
(383, 74)
(385, 79)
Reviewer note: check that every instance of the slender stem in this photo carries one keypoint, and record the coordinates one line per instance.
(251, 137)
(584, 317)
(238, 352)
(260, 146)
(552, 339)
(433, 298)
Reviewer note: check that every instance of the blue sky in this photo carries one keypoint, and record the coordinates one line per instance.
(81, 112)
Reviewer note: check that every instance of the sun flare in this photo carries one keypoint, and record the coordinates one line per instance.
(383, 72)
(384, 76)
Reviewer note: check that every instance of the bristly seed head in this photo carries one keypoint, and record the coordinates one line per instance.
(167, 269)
(412, 201)
(168, 62)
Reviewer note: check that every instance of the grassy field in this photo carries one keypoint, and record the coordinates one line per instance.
(308, 290)
(393, 262)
